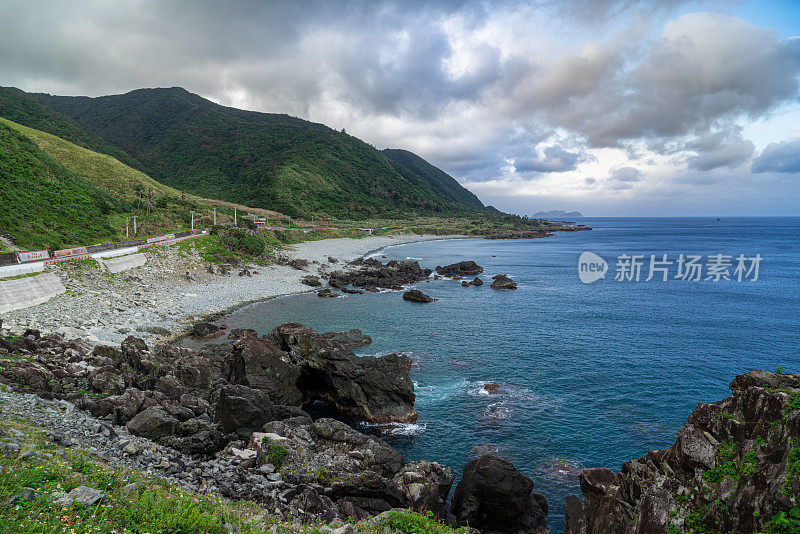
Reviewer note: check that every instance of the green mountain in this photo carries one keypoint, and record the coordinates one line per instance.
(410, 165)
(263, 160)
(45, 204)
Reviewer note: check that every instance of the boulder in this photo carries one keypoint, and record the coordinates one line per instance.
(153, 423)
(415, 295)
(426, 486)
(462, 268)
(327, 293)
(82, 495)
(501, 281)
(311, 280)
(476, 282)
(493, 496)
(241, 410)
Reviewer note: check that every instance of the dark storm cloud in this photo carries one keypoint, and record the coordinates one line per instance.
(783, 157)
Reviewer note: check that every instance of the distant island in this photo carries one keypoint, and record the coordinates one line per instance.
(557, 214)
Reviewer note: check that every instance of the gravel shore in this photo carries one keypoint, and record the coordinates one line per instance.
(173, 290)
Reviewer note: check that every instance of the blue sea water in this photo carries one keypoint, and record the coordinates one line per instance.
(590, 374)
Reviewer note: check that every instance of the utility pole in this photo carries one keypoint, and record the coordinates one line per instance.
(127, 233)
(192, 221)
(215, 216)
(134, 225)
(234, 217)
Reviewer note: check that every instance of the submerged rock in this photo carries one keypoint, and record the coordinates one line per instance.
(501, 281)
(462, 268)
(415, 295)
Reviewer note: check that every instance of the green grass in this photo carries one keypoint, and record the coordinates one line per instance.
(415, 523)
(44, 203)
(156, 506)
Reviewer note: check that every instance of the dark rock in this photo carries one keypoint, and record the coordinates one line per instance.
(260, 364)
(494, 387)
(493, 496)
(728, 470)
(350, 338)
(351, 291)
(311, 280)
(369, 388)
(477, 282)
(415, 295)
(462, 268)
(501, 281)
(241, 410)
(205, 329)
(236, 333)
(332, 260)
(153, 423)
(327, 293)
(27, 495)
(465, 284)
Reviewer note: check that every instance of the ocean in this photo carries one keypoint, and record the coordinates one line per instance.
(590, 374)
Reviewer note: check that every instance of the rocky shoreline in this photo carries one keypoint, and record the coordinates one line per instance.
(231, 419)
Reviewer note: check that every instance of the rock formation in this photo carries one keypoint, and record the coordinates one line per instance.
(493, 496)
(733, 468)
(462, 268)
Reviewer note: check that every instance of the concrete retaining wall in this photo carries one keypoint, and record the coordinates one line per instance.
(22, 268)
(123, 263)
(30, 291)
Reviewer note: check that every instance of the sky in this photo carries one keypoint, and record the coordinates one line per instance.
(611, 108)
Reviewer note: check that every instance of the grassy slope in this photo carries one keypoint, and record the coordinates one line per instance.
(169, 208)
(258, 159)
(102, 170)
(20, 107)
(46, 204)
(157, 506)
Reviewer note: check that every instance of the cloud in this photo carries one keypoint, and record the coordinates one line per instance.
(564, 89)
(552, 159)
(704, 68)
(623, 177)
(783, 157)
(723, 148)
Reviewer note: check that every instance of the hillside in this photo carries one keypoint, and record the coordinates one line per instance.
(45, 203)
(158, 208)
(101, 170)
(409, 164)
(18, 106)
(260, 159)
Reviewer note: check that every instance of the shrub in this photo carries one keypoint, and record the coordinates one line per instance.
(242, 242)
